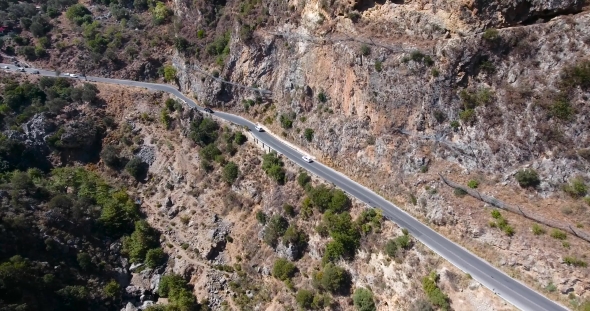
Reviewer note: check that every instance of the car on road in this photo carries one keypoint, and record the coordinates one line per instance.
(21, 69)
(35, 72)
(307, 158)
(4, 67)
(209, 110)
(259, 128)
(66, 74)
(73, 75)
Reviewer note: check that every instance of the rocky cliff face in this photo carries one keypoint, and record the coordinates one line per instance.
(391, 98)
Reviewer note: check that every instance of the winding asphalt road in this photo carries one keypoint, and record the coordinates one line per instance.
(501, 284)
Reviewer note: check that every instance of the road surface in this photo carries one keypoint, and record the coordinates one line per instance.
(501, 284)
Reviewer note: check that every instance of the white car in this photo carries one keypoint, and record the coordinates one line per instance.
(259, 128)
(4, 67)
(307, 158)
(66, 74)
(21, 69)
(73, 75)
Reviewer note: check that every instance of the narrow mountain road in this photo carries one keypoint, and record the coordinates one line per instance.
(500, 283)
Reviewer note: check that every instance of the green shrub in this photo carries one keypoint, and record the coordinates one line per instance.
(333, 279)
(261, 217)
(135, 167)
(143, 238)
(273, 167)
(434, 293)
(322, 97)
(334, 251)
(160, 13)
(154, 258)
(110, 155)
(527, 178)
(209, 152)
(496, 214)
(304, 298)
(308, 134)
(303, 179)
(169, 73)
(576, 75)
(403, 241)
(561, 109)
(365, 50)
(79, 14)
(180, 296)
(286, 121)
(363, 300)
(240, 138)
(112, 289)
(538, 230)
(289, 209)
(118, 213)
(283, 269)
(321, 197)
(558, 234)
(473, 184)
(576, 188)
(378, 65)
(339, 201)
(573, 261)
(391, 248)
(295, 237)
(491, 35)
(275, 228)
(467, 116)
(204, 131)
(455, 124)
(84, 261)
(230, 172)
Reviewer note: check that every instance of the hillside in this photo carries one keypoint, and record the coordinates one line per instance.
(491, 96)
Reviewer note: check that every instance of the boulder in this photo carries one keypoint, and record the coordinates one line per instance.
(290, 251)
(129, 307)
(80, 134)
(155, 282)
(37, 128)
(147, 154)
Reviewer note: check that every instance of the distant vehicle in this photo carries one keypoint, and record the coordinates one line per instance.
(307, 158)
(73, 75)
(21, 69)
(66, 74)
(208, 110)
(259, 128)
(4, 67)
(26, 66)
(36, 72)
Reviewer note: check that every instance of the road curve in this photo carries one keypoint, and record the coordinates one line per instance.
(501, 284)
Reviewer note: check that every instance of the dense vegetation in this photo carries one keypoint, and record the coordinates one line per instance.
(39, 270)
